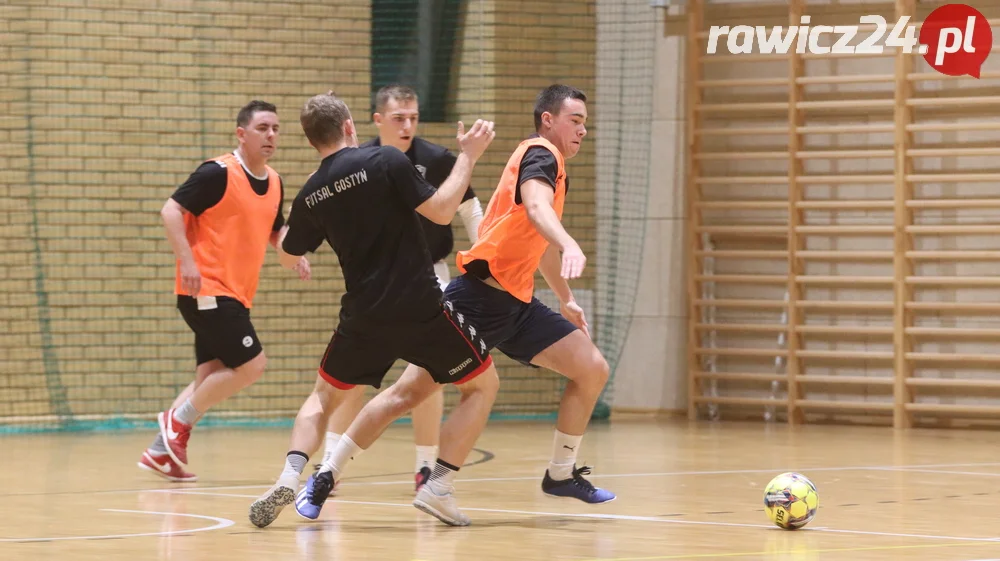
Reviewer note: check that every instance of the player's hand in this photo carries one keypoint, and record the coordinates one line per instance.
(303, 269)
(479, 137)
(190, 278)
(574, 313)
(573, 262)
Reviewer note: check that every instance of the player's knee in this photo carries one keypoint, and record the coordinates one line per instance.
(401, 399)
(598, 370)
(487, 383)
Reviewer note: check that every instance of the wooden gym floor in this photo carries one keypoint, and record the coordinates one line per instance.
(685, 491)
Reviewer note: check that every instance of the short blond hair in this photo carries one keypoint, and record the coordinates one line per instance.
(323, 118)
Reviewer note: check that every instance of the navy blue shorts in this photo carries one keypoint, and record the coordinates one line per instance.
(517, 329)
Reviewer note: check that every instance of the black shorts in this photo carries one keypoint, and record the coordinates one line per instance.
(223, 332)
(518, 329)
(447, 346)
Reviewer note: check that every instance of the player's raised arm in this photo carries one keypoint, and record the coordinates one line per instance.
(442, 206)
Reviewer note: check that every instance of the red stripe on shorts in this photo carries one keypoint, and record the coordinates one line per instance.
(333, 381)
(482, 368)
(330, 379)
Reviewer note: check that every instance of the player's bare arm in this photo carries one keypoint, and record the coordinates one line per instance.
(551, 268)
(538, 198)
(173, 220)
(302, 266)
(441, 207)
(297, 263)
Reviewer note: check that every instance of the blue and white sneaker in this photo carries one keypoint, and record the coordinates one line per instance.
(576, 487)
(310, 499)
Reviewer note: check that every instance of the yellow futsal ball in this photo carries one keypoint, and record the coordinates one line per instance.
(790, 500)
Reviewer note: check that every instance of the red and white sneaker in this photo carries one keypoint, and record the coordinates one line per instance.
(164, 466)
(175, 435)
(421, 478)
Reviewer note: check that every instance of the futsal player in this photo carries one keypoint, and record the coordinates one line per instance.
(522, 232)
(362, 202)
(219, 224)
(397, 116)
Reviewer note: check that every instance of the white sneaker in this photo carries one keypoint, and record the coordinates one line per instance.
(266, 509)
(442, 507)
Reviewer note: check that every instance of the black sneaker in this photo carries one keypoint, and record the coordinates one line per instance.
(576, 487)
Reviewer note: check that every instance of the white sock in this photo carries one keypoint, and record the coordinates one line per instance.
(332, 438)
(426, 457)
(442, 480)
(564, 449)
(295, 462)
(345, 451)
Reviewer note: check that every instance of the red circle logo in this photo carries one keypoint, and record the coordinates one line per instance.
(955, 39)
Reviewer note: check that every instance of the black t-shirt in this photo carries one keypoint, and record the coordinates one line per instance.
(538, 163)
(434, 162)
(362, 201)
(207, 185)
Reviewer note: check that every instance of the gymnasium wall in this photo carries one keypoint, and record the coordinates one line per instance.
(845, 232)
(653, 372)
(110, 104)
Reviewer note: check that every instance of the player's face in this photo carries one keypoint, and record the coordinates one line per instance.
(260, 137)
(397, 124)
(569, 127)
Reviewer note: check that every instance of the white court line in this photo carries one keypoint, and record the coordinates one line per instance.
(633, 518)
(219, 524)
(612, 475)
(982, 473)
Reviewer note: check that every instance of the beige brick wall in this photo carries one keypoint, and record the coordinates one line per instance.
(110, 104)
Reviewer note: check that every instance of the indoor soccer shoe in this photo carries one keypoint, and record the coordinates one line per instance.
(421, 477)
(576, 487)
(164, 466)
(175, 435)
(442, 507)
(266, 509)
(310, 500)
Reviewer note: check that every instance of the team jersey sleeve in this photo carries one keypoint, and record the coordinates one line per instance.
(405, 180)
(203, 189)
(304, 234)
(279, 219)
(538, 163)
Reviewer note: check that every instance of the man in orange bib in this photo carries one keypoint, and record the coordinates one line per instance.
(219, 223)
(522, 232)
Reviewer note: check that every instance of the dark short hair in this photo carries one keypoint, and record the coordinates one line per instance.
(246, 114)
(323, 118)
(551, 99)
(393, 91)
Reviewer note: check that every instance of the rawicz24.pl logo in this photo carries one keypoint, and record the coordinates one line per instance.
(955, 39)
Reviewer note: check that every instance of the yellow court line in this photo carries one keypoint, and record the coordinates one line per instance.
(797, 552)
